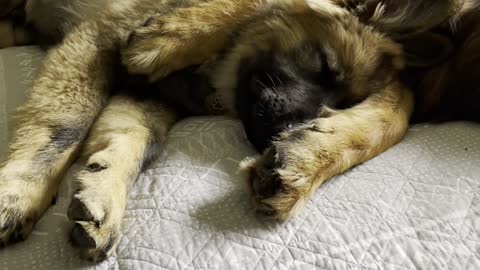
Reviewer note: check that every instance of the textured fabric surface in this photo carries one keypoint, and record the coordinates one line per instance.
(417, 206)
(18, 67)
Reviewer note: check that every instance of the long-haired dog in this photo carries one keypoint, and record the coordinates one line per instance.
(320, 85)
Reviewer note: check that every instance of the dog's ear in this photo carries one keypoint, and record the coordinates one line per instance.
(403, 17)
(425, 49)
(323, 7)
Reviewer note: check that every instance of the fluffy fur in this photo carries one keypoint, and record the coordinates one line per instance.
(71, 113)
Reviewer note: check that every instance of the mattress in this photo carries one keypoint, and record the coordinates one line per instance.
(417, 206)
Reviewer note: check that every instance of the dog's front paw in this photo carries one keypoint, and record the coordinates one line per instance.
(274, 194)
(97, 210)
(95, 232)
(95, 235)
(167, 43)
(285, 176)
(21, 205)
(16, 220)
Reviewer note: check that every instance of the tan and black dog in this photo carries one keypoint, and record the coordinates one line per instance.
(261, 57)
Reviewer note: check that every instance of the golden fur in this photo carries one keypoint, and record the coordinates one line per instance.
(70, 112)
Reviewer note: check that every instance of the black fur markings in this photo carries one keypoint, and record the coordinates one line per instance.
(61, 139)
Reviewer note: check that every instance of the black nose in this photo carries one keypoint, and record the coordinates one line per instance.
(261, 97)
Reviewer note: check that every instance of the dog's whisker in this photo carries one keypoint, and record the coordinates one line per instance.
(262, 84)
(271, 79)
(279, 80)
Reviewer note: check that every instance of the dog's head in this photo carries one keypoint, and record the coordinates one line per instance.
(292, 62)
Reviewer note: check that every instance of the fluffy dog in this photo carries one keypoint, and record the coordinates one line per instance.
(326, 77)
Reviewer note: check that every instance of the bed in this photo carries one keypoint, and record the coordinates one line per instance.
(417, 206)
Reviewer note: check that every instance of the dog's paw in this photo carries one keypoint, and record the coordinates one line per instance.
(97, 211)
(162, 45)
(16, 220)
(95, 233)
(167, 43)
(282, 179)
(21, 205)
(273, 195)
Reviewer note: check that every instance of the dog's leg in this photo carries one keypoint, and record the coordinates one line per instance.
(284, 178)
(185, 37)
(71, 89)
(65, 98)
(125, 138)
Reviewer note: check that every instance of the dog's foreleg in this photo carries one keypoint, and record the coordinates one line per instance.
(286, 175)
(185, 37)
(127, 136)
(67, 95)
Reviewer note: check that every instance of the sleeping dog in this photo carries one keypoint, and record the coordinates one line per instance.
(320, 85)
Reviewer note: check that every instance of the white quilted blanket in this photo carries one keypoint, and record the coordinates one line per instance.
(417, 206)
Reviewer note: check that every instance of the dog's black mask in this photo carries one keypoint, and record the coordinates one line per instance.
(277, 90)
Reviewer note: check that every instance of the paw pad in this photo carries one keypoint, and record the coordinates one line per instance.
(78, 211)
(80, 238)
